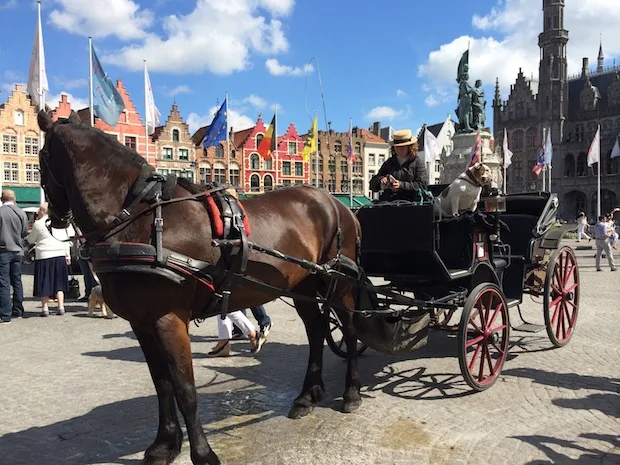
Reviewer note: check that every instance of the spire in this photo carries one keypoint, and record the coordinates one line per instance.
(497, 100)
(601, 58)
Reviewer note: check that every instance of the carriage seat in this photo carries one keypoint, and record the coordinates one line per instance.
(521, 232)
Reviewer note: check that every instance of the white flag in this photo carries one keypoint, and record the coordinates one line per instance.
(507, 152)
(152, 113)
(615, 153)
(594, 154)
(37, 78)
(431, 147)
(548, 149)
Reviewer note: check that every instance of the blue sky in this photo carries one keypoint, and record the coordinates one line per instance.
(395, 62)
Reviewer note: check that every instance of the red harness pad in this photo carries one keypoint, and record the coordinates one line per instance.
(215, 214)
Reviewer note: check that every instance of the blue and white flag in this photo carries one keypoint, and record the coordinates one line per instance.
(216, 132)
(107, 102)
(548, 149)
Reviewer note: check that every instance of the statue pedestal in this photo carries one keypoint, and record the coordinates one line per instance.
(455, 163)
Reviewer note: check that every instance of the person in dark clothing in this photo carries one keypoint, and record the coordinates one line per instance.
(403, 173)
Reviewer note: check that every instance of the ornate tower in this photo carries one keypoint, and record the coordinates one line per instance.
(497, 109)
(553, 88)
(600, 65)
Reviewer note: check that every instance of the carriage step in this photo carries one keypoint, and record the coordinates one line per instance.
(529, 328)
(512, 302)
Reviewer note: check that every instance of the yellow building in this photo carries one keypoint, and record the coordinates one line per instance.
(19, 152)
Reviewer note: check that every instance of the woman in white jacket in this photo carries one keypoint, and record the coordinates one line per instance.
(582, 224)
(51, 259)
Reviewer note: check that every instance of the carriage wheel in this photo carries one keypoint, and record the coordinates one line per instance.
(561, 301)
(483, 336)
(335, 337)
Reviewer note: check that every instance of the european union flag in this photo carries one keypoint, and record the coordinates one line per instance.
(107, 102)
(216, 132)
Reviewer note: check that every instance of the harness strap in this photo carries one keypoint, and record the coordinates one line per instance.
(470, 178)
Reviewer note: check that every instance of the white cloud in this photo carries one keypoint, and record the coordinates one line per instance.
(218, 36)
(237, 120)
(383, 113)
(256, 101)
(8, 4)
(274, 67)
(511, 42)
(121, 18)
(431, 101)
(182, 89)
(70, 83)
(401, 93)
(77, 103)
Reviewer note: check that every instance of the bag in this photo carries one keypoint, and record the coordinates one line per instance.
(73, 291)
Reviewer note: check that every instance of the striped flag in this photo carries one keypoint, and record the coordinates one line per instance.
(540, 163)
(476, 151)
(268, 143)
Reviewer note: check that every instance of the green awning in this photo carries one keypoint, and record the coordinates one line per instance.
(358, 200)
(26, 196)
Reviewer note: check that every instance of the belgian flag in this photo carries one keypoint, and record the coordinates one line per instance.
(268, 143)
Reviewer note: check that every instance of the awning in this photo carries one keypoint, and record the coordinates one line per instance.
(358, 200)
(26, 196)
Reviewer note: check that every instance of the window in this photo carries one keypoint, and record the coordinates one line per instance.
(254, 183)
(163, 171)
(205, 175)
(338, 147)
(11, 171)
(167, 153)
(607, 129)
(9, 144)
(31, 145)
(313, 163)
(286, 182)
(268, 164)
(18, 118)
(286, 168)
(371, 159)
(344, 168)
(358, 186)
(331, 185)
(381, 159)
(299, 168)
(175, 135)
(532, 139)
(32, 173)
(188, 175)
(219, 152)
(518, 170)
(234, 176)
(581, 164)
(298, 182)
(332, 165)
(516, 140)
(219, 175)
(268, 183)
(183, 154)
(358, 149)
(130, 142)
(579, 133)
(254, 162)
(357, 166)
(259, 138)
(292, 148)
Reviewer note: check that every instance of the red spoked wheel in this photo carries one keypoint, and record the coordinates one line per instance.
(561, 300)
(483, 336)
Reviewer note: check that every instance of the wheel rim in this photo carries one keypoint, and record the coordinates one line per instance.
(563, 295)
(487, 337)
(335, 337)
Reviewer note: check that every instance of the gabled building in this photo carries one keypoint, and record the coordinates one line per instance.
(19, 136)
(291, 167)
(221, 164)
(175, 151)
(375, 151)
(259, 174)
(441, 170)
(129, 130)
(333, 173)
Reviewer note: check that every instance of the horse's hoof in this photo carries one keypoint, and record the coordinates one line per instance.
(300, 411)
(351, 406)
(212, 459)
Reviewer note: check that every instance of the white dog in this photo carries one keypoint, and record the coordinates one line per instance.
(96, 300)
(463, 194)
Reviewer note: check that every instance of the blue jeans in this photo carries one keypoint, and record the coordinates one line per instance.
(260, 315)
(89, 279)
(11, 276)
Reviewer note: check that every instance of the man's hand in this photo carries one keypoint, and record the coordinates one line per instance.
(385, 181)
(395, 185)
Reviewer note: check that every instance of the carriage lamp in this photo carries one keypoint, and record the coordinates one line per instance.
(495, 204)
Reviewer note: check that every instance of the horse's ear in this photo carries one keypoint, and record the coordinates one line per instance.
(44, 120)
(74, 118)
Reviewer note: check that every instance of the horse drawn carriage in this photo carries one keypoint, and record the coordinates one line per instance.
(484, 263)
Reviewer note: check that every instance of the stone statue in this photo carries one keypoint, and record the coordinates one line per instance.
(471, 102)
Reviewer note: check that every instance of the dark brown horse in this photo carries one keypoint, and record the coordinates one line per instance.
(89, 174)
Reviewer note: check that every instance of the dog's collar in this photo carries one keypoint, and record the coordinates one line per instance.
(470, 178)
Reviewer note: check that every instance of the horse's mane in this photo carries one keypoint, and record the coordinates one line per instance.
(107, 142)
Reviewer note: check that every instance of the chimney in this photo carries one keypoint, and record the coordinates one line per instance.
(585, 67)
(376, 128)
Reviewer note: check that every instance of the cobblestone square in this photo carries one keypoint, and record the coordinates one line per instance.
(76, 390)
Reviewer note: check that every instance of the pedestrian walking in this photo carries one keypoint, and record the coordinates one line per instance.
(582, 225)
(602, 235)
(13, 232)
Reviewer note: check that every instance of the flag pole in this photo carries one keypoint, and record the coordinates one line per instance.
(351, 164)
(274, 156)
(551, 145)
(90, 82)
(146, 115)
(316, 150)
(227, 139)
(598, 177)
(40, 90)
(544, 165)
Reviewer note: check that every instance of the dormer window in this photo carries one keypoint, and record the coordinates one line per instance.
(175, 135)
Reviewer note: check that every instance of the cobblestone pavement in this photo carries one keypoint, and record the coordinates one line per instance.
(76, 390)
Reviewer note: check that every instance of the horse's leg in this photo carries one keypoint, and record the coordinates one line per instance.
(351, 396)
(174, 337)
(316, 328)
(167, 444)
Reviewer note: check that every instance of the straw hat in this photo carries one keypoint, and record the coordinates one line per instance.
(403, 137)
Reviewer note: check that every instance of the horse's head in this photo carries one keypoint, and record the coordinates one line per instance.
(54, 171)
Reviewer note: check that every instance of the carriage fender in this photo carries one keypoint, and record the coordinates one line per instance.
(483, 272)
